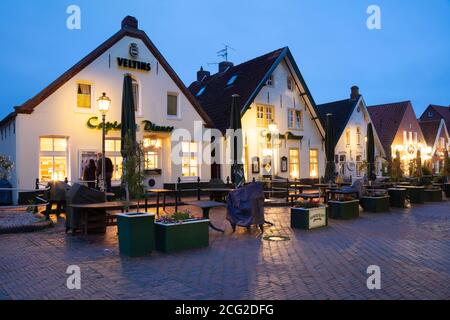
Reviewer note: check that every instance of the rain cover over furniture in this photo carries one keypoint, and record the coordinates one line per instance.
(245, 206)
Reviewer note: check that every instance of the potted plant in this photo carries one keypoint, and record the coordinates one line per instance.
(348, 208)
(181, 231)
(309, 215)
(136, 229)
(397, 197)
(375, 202)
(432, 193)
(446, 174)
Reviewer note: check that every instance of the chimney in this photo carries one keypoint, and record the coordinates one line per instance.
(130, 22)
(201, 74)
(224, 65)
(354, 93)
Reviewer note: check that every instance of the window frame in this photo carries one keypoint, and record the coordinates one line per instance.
(93, 107)
(290, 80)
(270, 81)
(263, 122)
(291, 163)
(138, 105)
(178, 115)
(294, 118)
(190, 154)
(114, 156)
(54, 154)
(311, 163)
(348, 135)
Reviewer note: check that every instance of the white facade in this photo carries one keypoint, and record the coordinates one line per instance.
(350, 151)
(281, 100)
(58, 116)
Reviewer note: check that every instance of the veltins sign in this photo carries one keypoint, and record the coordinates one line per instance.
(125, 63)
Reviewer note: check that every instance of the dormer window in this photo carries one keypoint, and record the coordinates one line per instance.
(270, 81)
(232, 80)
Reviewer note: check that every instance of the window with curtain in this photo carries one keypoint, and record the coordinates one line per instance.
(189, 159)
(294, 163)
(84, 95)
(295, 120)
(314, 163)
(53, 159)
(172, 105)
(112, 151)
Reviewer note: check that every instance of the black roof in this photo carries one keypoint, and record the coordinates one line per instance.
(217, 89)
(341, 110)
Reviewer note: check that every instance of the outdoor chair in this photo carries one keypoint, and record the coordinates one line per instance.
(56, 196)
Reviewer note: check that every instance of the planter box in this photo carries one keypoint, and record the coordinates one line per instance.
(433, 195)
(181, 236)
(397, 197)
(136, 233)
(375, 204)
(309, 218)
(344, 209)
(416, 194)
(447, 189)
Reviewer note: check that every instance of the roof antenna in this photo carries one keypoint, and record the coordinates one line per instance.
(224, 52)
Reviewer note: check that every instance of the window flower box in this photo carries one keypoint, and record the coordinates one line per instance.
(309, 218)
(397, 197)
(178, 236)
(375, 204)
(433, 194)
(344, 209)
(136, 233)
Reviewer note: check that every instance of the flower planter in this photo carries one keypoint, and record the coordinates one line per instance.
(397, 197)
(447, 189)
(344, 209)
(416, 194)
(433, 195)
(175, 237)
(375, 204)
(136, 233)
(309, 218)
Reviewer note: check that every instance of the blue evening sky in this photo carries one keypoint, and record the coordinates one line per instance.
(408, 59)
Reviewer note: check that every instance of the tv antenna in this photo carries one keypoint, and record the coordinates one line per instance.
(224, 52)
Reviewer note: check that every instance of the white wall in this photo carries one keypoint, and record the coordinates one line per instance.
(282, 99)
(8, 148)
(58, 115)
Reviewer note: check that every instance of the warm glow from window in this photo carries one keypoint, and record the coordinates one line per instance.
(314, 163)
(189, 161)
(264, 115)
(294, 163)
(53, 159)
(347, 137)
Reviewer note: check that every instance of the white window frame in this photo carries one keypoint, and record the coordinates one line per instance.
(114, 154)
(294, 117)
(138, 112)
(93, 107)
(291, 163)
(54, 154)
(189, 154)
(178, 115)
(310, 162)
(264, 121)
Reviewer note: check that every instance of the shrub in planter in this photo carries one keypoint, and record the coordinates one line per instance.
(375, 203)
(416, 194)
(309, 216)
(181, 232)
(433, 194)
(344, 209)
(397, 197)
(447, 189)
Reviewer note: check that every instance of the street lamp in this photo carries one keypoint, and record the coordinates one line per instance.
(104, 102)
(273, 130)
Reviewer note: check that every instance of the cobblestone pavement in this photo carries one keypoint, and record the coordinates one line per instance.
(411, 246)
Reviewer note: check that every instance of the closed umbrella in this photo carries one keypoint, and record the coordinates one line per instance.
(330, 168)
(128, 135)
(370, 153)
(237, 169)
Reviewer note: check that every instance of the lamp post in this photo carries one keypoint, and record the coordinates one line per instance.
(273, 129)
(103, 103)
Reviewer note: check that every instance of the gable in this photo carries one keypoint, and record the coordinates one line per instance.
(126, 31)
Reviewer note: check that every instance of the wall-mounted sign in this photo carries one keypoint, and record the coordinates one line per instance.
(255, 165)
(125, 63)
(284, 164)
(151, 127)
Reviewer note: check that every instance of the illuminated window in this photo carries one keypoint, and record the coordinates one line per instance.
(358, 165)
(53, 159)
(295, 120)
(294, 163)
(314, 163)
(112, 151)
(151, 153)
(189, 159)
(358, 135)
(347, 137)
(172, 105)
(136, 95)
(264, 115)
(84, 95)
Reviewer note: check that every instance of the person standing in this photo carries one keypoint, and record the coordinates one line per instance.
(109, 168)
(89, 173)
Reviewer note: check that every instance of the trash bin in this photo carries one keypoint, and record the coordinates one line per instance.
(136, 233)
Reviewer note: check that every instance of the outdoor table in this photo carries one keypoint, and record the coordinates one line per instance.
(215, 193)
(206, 206)
(101, 206)
(158, 192)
